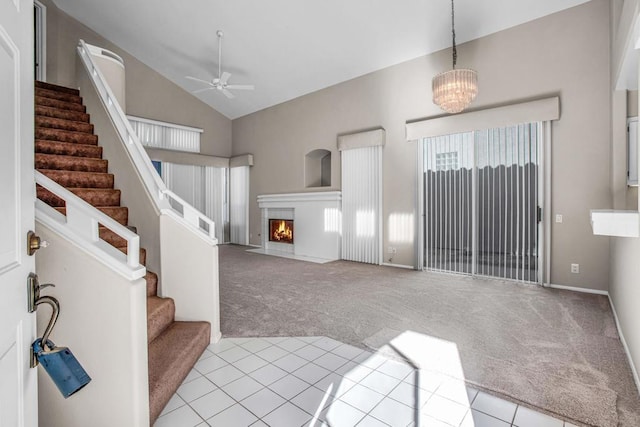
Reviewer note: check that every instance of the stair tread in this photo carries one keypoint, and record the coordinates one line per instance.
(56, 94)
(111, 237)
(152, 283)
(96, 197)
(80, 179)
(93, 190)
(160, 314)
(45, 111)
(171, 356)
(69, 157)
(119, 214)
(70, 163)
(50, 102)
(53, 134)
(53, 86)
(143, 254)
(61, 148)
(63, 124)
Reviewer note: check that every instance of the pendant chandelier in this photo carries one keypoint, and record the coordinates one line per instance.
(454, 90)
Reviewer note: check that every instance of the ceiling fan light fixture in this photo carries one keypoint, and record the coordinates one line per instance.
(455, 89)
(221, 83)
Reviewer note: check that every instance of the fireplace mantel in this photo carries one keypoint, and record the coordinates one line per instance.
(318, 225)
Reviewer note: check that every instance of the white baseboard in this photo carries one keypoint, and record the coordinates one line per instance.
(576, 289)
(387, 264)
(215, 336)
(634, 371)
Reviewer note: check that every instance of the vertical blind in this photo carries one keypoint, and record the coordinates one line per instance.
(166, 135)
(448, 188)
(216, 203)
(362, 204)
(204, 188)
(507, 164)
(239, 205)
(481, 197)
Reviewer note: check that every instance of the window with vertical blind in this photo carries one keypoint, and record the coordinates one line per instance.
(203, 187)
(169, 136)
(239, 205)
(361, 169)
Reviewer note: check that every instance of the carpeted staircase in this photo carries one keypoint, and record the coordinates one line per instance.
(67, 151)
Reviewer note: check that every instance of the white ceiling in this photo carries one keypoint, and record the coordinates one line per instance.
(288, 48)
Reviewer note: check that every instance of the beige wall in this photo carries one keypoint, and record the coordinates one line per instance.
(148, 94)
(190, 274)
(632, 103)
(625, 293)
(565, 54)
(625, 252)
(103, 322)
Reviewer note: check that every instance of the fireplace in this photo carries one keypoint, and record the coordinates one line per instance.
(311, 212)
(281, 230)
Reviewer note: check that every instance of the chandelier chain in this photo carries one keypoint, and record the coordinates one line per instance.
(453, 35)
(455, 89)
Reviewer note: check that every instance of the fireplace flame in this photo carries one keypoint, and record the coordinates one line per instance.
(282, 232)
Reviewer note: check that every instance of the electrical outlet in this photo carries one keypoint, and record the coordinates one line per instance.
(391, 250)
(559, 218)
(575, 268)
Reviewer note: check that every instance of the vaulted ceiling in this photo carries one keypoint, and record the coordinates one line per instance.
(288, 48)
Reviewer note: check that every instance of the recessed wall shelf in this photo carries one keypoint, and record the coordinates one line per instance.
(317, 168)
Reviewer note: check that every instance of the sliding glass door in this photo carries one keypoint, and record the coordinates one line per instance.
(481, 197)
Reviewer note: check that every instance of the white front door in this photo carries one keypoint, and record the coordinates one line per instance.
(18, 385)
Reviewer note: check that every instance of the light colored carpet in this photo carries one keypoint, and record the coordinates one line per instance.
(555, 350)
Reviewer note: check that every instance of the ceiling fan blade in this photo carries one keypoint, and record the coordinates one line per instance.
(241, 87)
(195, 79)
(224, 77)
(203, 90)
(228, 94)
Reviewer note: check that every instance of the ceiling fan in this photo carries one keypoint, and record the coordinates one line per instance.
(221, 82)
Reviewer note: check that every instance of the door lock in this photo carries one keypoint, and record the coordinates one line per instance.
(34, 243)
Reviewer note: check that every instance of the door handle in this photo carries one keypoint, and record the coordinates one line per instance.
(33, 291)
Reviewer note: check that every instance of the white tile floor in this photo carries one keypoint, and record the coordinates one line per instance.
(317, 381)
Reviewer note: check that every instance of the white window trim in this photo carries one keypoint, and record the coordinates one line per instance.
(41, 40)
(632, 151)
